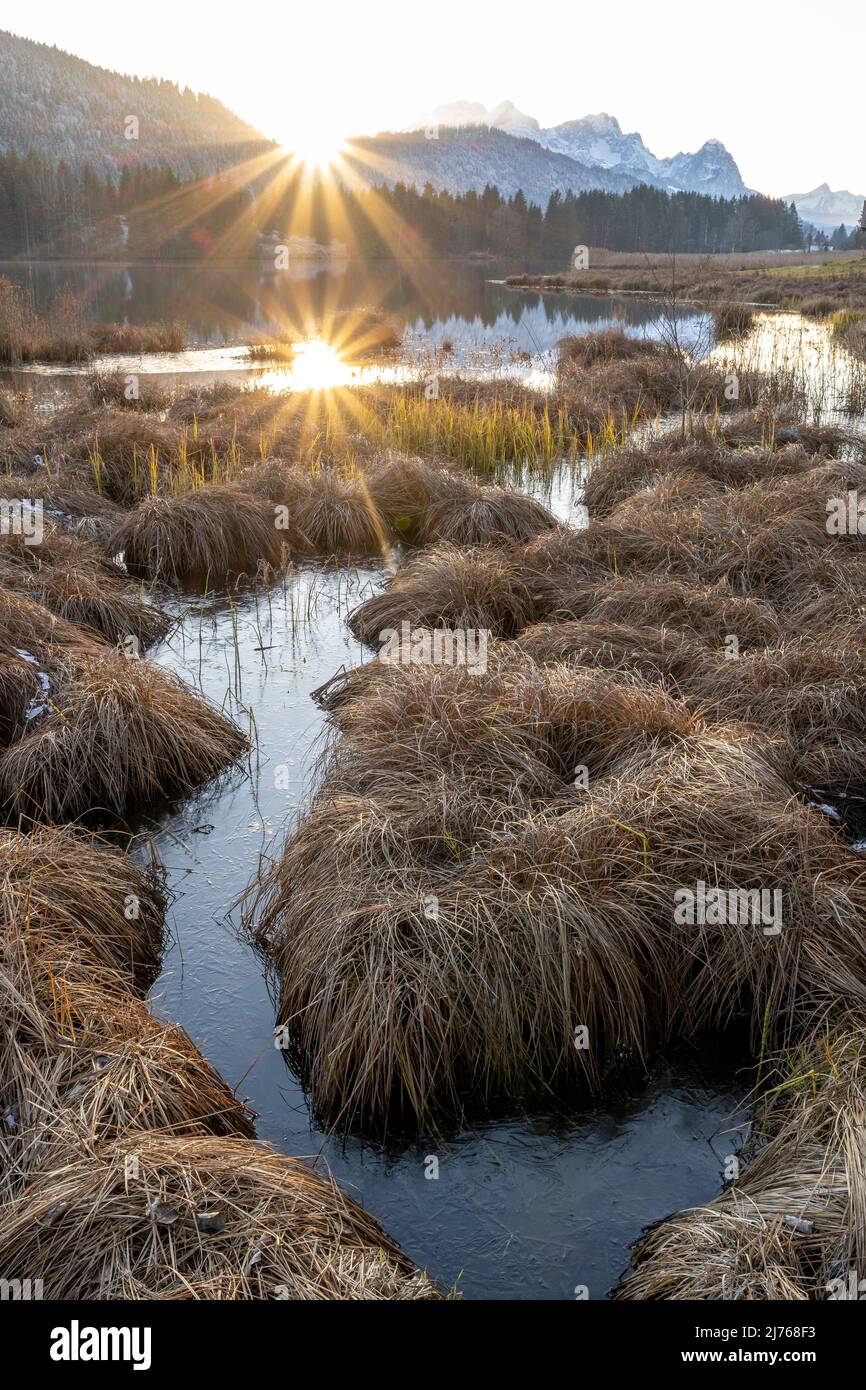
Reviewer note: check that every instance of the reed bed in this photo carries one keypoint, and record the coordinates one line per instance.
(63, 334)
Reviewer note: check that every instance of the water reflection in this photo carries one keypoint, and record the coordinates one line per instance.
(457, 318)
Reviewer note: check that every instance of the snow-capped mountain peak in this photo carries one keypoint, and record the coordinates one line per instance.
(506, 116)
(597, 141)
(828, 209)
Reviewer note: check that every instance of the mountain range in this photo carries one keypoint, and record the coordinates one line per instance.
(63, 108)
(598, 142)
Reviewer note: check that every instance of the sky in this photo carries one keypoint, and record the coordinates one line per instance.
(781, 85)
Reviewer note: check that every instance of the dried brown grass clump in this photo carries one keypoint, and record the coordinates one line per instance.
(806, 691)
(732, 321)
(803, 694)
(119, 733)
(515, 733)
(695, 464)
(29, 627)
(19, 686)
(745, 1247)
(118, 451)
(447, 985)
(70, 498)
(328, 512)
(65, 891)
(99, 1067)
(73, 578)
(405, 488)
(486, 588)
(658, 655)
(656, 379)
(338, 516)
(485, 516)
(207, 538)
(109, 387)
(421, 795)
(276, 480)
(716, 809)
(205, 1218)
(554, 903)
(705, 612)
(164, 336)
(434, 788)
(608, 345)
(773, 429)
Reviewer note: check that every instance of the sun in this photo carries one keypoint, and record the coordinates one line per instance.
(316, 148)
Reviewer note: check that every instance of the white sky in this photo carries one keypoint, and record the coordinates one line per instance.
(780, 82)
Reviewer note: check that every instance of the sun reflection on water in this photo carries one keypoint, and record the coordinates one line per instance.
(317, 366)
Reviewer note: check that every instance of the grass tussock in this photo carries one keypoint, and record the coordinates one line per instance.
(732, 321)
(751, 448)
(338, 516)
(553, 897)
(68, 891)
(205, 1218)
(83, 933)
(19, 686)
(485, 588)
(133, 338)
(204, 539)
(104, 1067)
(707, 612)
(108, 387)
(485, 516)
(116, 734)
(73, 578)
